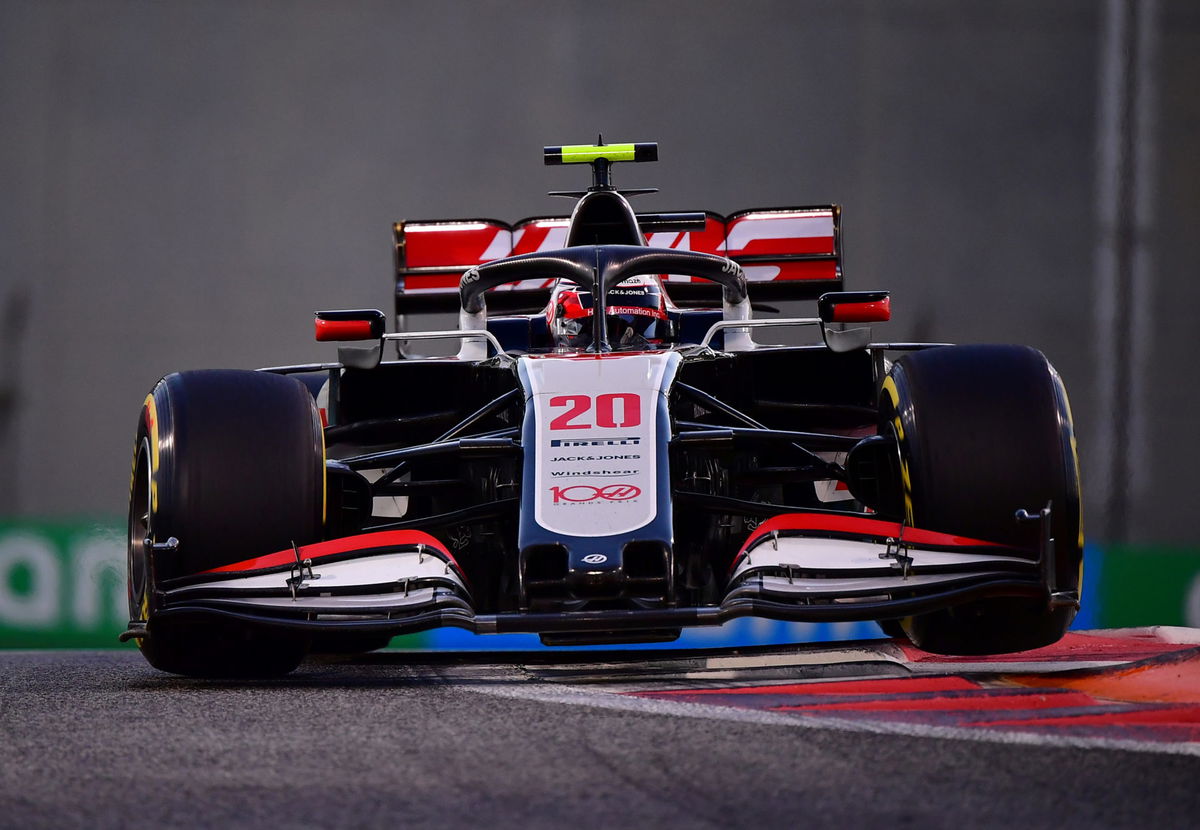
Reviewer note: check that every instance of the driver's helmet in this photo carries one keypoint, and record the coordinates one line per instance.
(636, 315)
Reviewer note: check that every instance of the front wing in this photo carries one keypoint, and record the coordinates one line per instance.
(804, 567)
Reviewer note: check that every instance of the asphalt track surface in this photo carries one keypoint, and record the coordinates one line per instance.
(99, 739)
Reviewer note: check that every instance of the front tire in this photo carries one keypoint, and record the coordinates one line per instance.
(984, 431)
(231, 464)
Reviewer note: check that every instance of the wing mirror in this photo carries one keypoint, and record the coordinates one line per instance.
(350, 325)
(852, 307)
(357, 324)
(855, 307)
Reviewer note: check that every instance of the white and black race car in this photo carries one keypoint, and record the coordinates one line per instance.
(611, 459)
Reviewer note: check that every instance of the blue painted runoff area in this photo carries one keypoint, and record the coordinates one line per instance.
(748, 631)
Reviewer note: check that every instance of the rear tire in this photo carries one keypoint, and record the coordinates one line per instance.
(230, 463)
(984, 431)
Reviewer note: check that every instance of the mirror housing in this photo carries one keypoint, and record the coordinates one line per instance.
(855, 307)
(353, 325)
(852, 307)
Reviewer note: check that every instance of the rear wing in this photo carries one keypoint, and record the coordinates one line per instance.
(786, 253)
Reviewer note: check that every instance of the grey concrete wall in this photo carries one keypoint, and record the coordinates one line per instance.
(184, 183)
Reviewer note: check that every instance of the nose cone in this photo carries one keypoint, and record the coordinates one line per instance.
(562, 576)
(595, 575)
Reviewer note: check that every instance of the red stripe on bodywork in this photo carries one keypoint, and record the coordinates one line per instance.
(582, 356)
(877, 312)
(317, 550)
(331, 330)
(858, 525)
(432, 282)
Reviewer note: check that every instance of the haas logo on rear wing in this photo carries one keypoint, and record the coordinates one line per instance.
(786, 253)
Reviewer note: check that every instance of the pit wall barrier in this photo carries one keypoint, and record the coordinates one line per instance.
(62, 585)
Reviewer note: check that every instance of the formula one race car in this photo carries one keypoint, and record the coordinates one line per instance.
(610, 460)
